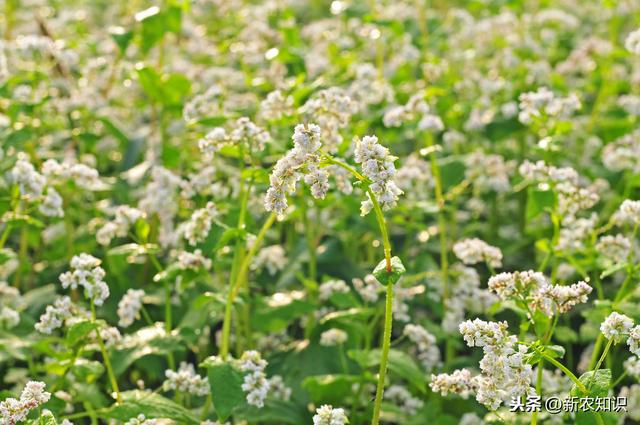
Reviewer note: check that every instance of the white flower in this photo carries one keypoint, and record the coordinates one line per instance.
(186, 380)
(378, 166)
(330, 287)
(13, 410)
(327, 415)
(55, 315)
(616, 327)
(616, 248)
(634, 340)
(289, 169)
(459, 382)
(141, 420)
(632, 364)
(473, 251)
(255, 383)
(51, 205)
(193, 260)
(213, 141)
(505, 373)
(632, 42)
(87, 273)
(129, 307)
(198, 227)
(629, 212)
(367, 288)
(431, 123)
(333, 337)
(278, 388)
(276, 105)
(31, 182)
(9, 317)
(272, 257)
(402, 397)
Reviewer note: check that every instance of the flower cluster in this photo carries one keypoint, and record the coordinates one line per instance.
(243, 131)
(505, 374)
(400, 396)
(533, 289)
(289, 169)
(272, 257)
(427, 349)
(141, 419)
(333, 337)
(255, 384)
(10, 303)
(87, 273)
(16, 410)
(330, 287)
(377, 165)
(80, 174)
(616, 327)
(186, 380)
(198, 227)
(32, 187)
(125, 218)
(544, 102)
(331, 109)
(632, 42)
(629, 212)
(473, 251)
(129, 307)
(328, 415)
(193, 260)
(460, 382)
(55, 315)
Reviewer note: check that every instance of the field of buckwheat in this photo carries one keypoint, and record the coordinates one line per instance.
(218, 212)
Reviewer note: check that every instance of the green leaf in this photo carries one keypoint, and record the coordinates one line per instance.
(79, 331)
(226, 388)
(134, 249)
(275, 411)
(452, 173)
(400, 364)
(87, 371)
(151, 405)
(329, 389)
(121, 36)
(275, 314)
(538, 201)
(597, 383)
(155, 23)
(142, 229)
(146, 341)
(389, 278)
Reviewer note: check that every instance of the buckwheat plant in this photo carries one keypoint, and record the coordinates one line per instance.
(319, 212)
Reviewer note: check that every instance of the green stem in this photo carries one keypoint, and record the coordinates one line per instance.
(596, 351)
(5, 235)
(386, 345)
(233, 290)
(442, 234)
(617, 381)
(534, 415)
(105, 357)
(601, 359)
(388, 312)
(575, 380)
(168, 321)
